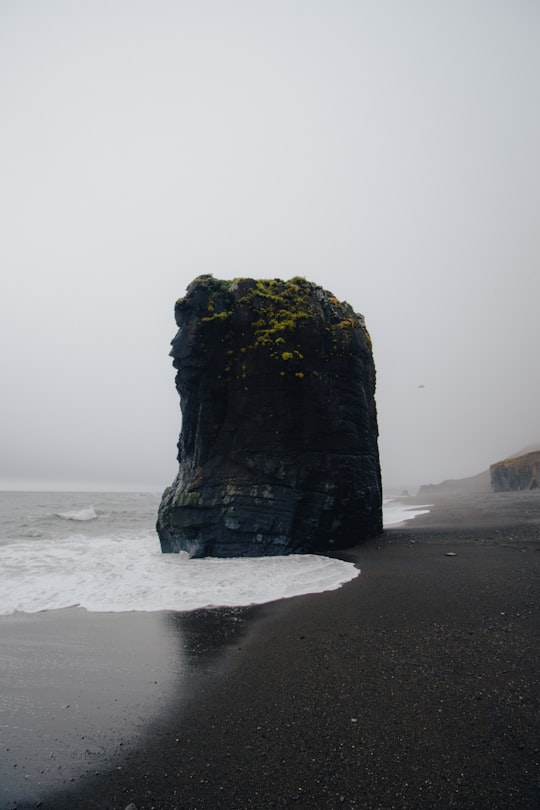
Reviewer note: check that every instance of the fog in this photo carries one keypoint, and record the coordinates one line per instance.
(387, 151)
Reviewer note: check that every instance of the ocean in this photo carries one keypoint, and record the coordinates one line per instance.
(100, 551)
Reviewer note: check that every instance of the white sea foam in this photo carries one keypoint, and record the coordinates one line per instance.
(395, 511)
(80, 514)
(113, 562)
(128, 572)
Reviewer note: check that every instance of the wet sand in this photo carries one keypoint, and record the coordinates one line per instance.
(413, 686)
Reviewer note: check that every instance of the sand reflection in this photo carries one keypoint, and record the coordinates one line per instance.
(76, 689)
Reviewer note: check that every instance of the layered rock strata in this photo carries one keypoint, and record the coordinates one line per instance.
(516, 473)
(278, 452)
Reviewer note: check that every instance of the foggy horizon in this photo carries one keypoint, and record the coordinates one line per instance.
(387, 152)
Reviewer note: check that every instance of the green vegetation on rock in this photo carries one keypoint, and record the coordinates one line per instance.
(276, 315)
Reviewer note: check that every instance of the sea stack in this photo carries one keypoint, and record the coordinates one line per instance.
(278, 452)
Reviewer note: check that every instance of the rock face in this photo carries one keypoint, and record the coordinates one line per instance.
(278, 451)
(515, 473)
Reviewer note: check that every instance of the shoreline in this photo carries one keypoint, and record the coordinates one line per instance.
(474, 510)
(414, 685)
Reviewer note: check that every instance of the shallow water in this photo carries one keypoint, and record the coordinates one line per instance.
(397, 510)
(100, 551)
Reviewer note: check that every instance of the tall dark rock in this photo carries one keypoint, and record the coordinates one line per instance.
(278, 451)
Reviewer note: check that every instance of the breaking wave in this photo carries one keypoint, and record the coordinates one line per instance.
(81, 514)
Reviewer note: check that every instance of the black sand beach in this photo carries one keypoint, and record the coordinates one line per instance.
(413, 686)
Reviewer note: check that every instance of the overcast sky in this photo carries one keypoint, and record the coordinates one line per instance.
(386, 150)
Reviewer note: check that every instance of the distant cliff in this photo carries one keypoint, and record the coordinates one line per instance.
(516, 473)
(278, 451)
(458, 486)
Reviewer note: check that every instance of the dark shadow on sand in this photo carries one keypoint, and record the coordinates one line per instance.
(80, 690)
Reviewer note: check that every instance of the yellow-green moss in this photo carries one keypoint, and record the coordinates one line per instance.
(216, 316)
(280, 311)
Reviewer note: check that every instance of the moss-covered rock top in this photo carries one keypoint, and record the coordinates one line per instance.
(272, 315)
